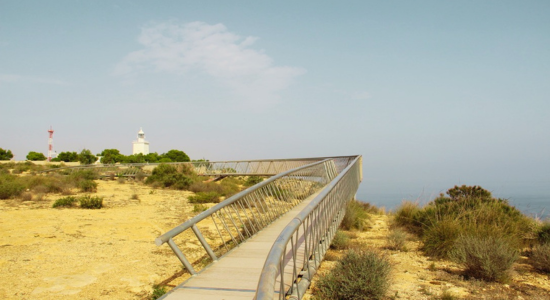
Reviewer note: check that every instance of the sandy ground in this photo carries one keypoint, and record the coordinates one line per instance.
(48, 253)
(415, 276)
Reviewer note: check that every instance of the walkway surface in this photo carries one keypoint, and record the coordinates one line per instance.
(236, 275)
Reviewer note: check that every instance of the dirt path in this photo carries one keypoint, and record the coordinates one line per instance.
(48, 253)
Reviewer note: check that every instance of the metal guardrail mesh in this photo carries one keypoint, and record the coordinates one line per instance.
(215, 231)
(301, 246)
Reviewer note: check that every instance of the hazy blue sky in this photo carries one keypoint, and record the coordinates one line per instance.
(427, 91)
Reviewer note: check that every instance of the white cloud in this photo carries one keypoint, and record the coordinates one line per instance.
(213, 50)
(11, 78)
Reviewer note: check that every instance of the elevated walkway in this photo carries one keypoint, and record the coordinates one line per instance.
(236, 274)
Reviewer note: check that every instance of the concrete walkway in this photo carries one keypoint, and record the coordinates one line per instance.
(236, 275)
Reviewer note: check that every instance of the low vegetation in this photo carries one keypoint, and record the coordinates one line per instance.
(204, 197)
(360, 274)
(86, 202)
(356, 217)
(396, 240)
(540, 257)
(340, 241)
(158, 291)
(489, 258)
(469, 226)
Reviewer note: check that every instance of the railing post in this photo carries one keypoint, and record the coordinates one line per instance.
(181, 257)
(204, 243)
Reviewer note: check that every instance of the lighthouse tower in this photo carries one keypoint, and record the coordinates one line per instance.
(141, 145)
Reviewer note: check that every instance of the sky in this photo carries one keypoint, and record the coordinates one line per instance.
(431, 93)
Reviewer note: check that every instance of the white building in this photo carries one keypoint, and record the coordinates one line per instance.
(141, 145)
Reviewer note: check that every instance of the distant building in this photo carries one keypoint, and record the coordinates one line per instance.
(141, 145)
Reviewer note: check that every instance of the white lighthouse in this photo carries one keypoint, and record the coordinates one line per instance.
(141, 145)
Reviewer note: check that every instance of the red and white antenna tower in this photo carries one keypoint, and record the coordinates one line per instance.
(50, 144)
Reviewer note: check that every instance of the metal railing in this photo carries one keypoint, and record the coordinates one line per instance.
(231, 222)
(299, 249)
(264, 167)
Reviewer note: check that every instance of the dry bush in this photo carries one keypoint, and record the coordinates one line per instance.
(540, 257)
(396, 240)
(26, 196)
(358, 275)
(488, 258)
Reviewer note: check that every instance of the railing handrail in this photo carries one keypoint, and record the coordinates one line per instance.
(189, 223)
(101, 165)
(271, 269)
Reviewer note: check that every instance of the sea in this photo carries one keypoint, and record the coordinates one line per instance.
(532, 198)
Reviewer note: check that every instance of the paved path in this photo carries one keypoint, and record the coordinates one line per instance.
(236, 275)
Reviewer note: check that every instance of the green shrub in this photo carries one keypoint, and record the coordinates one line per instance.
(83, 175)
(359, 275)
(253, 180)
(356, 216)
(340, 241)
(10, 186)
(87, 185)
(65, 202)
(169, 176)
(440, 237)
(396, 240)
(488, 258)
(158, 291)
(89, 202)
(230, 186)
(36, 156)
(466, 211)
(205, 197)
(197, 208)
(540, 257)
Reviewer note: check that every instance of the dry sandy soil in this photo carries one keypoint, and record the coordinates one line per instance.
(71, 253)
(48, 253)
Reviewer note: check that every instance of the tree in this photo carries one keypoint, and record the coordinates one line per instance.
(111, 156)
(152, 157)
(5, 154)
(134, 159)
(34, 156)
(67, 156)
(176, 156)
(86, 157)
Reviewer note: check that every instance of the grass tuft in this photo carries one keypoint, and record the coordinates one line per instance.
(158, 291)
(340, 241)
(356, 216)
